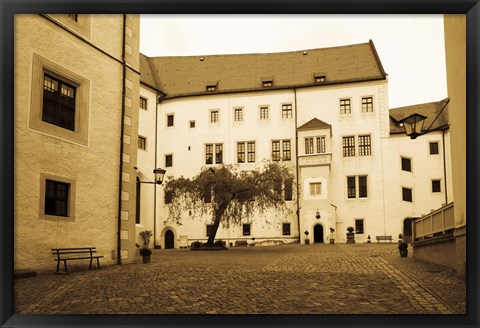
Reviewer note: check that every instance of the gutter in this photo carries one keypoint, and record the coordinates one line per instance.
(122, 130)
(155, 187)
(444, 167)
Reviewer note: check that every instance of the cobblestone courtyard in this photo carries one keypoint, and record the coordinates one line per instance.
(313, 279)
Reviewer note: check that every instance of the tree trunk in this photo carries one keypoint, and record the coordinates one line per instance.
(218, 217)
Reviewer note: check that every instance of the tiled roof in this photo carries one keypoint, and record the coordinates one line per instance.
(189, 75)
(314, 124)
(430, 110)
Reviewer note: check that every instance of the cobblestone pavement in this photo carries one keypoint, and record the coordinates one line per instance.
(303, 279)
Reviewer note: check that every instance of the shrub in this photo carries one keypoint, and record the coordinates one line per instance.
(220, 243)
(350, 229)
(196, 244)
(402, 246)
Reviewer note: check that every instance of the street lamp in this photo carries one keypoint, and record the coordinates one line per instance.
(159, 175)
(413, 125)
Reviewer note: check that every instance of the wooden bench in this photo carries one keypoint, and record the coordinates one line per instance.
(385, 238)
(78, 253)
(240, 243)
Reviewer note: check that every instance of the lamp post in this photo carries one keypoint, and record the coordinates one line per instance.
(159, 175)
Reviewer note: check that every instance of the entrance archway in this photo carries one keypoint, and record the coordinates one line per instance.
(169, 239)
(318, 234)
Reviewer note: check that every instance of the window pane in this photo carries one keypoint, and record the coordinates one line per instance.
(286, 111)
(345, 106)
(286, 229)
(58, 103)
(436, 186)
(143, 103)
(348, 146)
(362, 186)
(56, 198)
(433, 148)
(240, 152)
(406, 164)
(168, 160)
(407, 194)
(288, 190)
(170, 120)
(219, 154)
(209, 154)
(246, 229)
(351, 189)
(364, 146)
(367, 104)
(263, 113)
(276, 151)
(251, 152)
(287, 153)
(359, 229)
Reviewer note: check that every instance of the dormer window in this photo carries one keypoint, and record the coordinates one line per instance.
(212, 86)
(320, 77)
(267, 82)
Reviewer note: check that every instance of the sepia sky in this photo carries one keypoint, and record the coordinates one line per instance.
(411, 47)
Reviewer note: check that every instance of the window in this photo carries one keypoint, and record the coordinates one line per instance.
(211, 88)
(276, 150)
(286, 229)
(214, 116)
(288, 189)
(320, 78)
(58, 102)
(351, 187)
(208, 229)
(362, 186)
(348, 146)
(56, 198)
(246, 229)
(240, 152)
(143, 103)
(308, 145)
(219, 154)
(321, 145)
(315, 188)
(142, 143)
(263, 113)
(251, 152)
(267, 83)
(433, 148)
(345, 106)
(238, 114)
(287, 111)
(407, 194)
(192, 124)
(287, 152)
(170, 120)
(359, 226)
(168, 160)
(367, 104)
(436, 186)
(364, 146)
(168, 197)
(406, 164)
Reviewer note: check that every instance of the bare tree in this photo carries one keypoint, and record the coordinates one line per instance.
(228, 194)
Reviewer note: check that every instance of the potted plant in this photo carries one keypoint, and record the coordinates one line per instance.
(350, 235)
(369, 240)
(307, 241)
(332, 237)
(145, 252)
(403, 248)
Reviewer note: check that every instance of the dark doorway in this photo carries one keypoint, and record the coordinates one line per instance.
(407, 230)
(169, 239)
(318, 234)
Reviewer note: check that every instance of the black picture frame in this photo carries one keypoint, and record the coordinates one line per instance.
(9, 8)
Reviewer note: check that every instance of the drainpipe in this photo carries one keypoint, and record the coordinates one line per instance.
(122, 128)
(444, 167)
(297, 167)
(155, 186)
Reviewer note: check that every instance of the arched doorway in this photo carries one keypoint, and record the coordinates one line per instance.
(318, 234)
(169, 239)
(407, 229)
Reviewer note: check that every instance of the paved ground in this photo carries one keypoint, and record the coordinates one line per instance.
(313, 279)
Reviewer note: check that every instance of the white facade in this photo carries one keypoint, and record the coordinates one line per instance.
(358, 186)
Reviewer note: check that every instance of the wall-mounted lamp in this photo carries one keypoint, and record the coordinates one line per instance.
(159, 175)
(317, 215)
(413, 124)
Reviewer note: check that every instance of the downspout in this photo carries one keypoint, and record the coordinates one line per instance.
(155, 186)
(297, 167)
(122, 128)
(444, 167)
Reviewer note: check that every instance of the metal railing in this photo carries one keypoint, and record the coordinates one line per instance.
(437, 223)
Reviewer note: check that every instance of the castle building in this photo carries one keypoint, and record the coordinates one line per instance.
(76, 120)
(321, 112)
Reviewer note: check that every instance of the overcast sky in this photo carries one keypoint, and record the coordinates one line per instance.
(410, 47)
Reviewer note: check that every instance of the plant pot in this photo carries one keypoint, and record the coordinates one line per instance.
(332, 240)
(307, 241)
(146, 259)
(403, 252)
